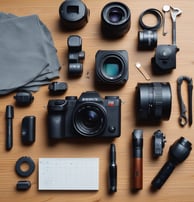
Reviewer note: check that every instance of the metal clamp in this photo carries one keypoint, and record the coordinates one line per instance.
(183, 118)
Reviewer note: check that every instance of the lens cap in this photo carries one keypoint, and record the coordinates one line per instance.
(73, 14)
(115, 20)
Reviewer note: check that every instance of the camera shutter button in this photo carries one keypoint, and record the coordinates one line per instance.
(111, 129)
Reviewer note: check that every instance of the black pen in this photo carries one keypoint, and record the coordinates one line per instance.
(9, 128)
(112, 169)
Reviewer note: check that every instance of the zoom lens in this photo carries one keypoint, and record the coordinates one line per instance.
(111, 67)
(115, 20)
(153, 101)
(89, 119)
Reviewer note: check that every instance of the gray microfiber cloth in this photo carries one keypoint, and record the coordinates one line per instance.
(28, 57)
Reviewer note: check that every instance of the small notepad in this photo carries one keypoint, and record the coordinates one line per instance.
(68, 174)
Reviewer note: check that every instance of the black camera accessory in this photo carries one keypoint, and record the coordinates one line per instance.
(182, 118)
(29, 162)
(75, 55)
(73, 14)
(158, 143)
(137, 146)
(24, 98)
(111, 67)
(9, 115)
(178, 152)
(23, 185)
(153, 101)
(115, 20)
(156, 13)
(164, 60)
(88, 116)
(56, 88)
(147, 40)
(112, 170)
(28, 130)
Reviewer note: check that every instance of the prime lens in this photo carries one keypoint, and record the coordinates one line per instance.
(153, 101)
(115, 20)
(89, 119)
(111, 67)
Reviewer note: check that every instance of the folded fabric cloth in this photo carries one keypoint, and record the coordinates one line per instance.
(28, 57)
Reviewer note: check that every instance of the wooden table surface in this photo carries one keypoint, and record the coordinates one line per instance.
(180, 186)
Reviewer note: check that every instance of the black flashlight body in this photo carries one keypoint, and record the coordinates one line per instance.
(178, 152)
(137, 146)
(112, 170)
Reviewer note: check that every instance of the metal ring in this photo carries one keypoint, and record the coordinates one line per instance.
(154, 12)
(30, 163)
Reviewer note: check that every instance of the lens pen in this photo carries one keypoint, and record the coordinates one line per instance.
(137, 145)
(112, 169)
(9, 128)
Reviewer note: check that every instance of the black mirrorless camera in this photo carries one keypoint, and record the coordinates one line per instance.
(88, 116)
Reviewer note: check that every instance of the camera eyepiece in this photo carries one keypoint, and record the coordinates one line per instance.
(115, 20)
(112, 67)
(153, 101)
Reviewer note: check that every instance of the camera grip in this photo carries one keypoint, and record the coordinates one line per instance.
(56, 125)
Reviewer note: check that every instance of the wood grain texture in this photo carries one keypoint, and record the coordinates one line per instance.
(180, 186)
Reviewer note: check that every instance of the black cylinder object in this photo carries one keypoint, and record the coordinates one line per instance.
(115, 20)
(153, 101)
(73, 14)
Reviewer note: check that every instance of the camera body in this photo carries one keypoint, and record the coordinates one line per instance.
(86, 116)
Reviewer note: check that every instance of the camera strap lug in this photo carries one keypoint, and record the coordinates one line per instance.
(182, 118)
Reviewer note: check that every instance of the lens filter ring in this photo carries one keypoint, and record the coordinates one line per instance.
(89, 119)
(115, 20)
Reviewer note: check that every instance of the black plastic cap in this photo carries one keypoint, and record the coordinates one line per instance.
(73, 14)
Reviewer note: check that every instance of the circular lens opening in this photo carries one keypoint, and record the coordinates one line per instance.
(89, 119)
(115, 15)
(112, 68)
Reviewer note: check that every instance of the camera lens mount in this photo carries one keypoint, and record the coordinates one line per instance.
(89, 119)
(153, 101)
(115, 20)
(112, 67)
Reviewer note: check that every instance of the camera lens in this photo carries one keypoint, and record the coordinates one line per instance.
(89, 119)
(115, 20)
(153, 101)
(112, 67)
(147, 40)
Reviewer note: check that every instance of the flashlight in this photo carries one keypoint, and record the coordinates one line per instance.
(137, 145)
